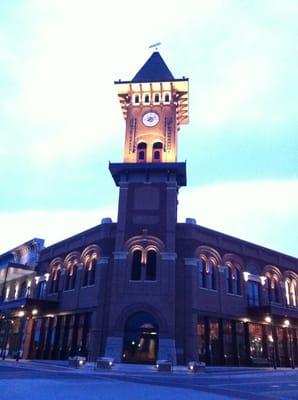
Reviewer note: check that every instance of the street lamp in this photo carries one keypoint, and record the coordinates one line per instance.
(268, 319)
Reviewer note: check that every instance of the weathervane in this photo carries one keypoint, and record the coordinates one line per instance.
(155, 45)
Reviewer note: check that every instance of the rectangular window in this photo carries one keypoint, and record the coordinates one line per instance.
(214, 343)
(256, 341)
(253, 293)
(241, 350)
(202, 339)
(228, 343)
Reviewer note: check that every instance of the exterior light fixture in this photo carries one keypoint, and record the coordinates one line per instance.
(268, 319)
(34, 311)
(270, 337)
(21, 313)
(263, 280)
(46, 276)
(287, 323)
(246, 275)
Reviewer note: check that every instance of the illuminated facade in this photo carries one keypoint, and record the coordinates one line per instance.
(147, 287)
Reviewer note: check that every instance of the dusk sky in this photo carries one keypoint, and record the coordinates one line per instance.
(61, 123)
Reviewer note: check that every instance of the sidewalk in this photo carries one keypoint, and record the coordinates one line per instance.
(121, 369)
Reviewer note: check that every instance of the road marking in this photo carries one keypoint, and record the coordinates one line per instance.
(292, 384)
(275, 386)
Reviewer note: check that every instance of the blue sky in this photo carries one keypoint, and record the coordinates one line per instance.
(60, 121)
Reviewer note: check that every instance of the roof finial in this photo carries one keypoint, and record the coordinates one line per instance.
(155, 45)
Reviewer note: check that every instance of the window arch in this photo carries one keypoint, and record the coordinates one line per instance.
(157, 152)
(156, 98)
(142, 152)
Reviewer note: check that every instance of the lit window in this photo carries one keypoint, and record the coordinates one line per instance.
(157, 152)
(167, 98)
(141, 152)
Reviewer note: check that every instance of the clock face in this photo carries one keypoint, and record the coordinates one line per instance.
(150, 119)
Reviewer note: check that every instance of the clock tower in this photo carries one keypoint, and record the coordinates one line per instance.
(141, 325)
(154, 105)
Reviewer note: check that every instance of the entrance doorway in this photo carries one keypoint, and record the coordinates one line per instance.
(140, 342)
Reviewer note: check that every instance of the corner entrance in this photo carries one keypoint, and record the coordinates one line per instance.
(140, 342)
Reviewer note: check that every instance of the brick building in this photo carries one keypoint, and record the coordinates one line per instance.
(147, 287)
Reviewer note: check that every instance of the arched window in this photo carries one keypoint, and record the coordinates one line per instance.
(71, 275)
(211, 276)
(146, 98)
(57, 280)
(137, 99)
(237, 280)
(287, 289)
(151, 265)
(293, 293)
(167, 98)
(136, 269)
(229, 279)
(141, 152)
(156, 98)
(92, 270)
(89, 271)
(157, 152)
(275, 296)
(203, 273)
(274, 290)
(268, 284)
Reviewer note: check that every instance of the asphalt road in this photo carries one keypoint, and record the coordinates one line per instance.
(254, 385)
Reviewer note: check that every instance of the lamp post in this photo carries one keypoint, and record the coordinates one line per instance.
(268, 319)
